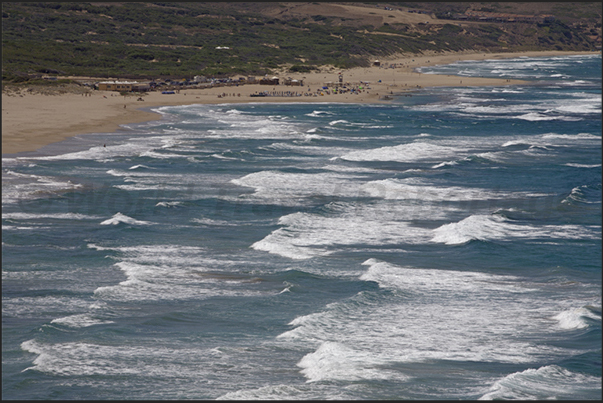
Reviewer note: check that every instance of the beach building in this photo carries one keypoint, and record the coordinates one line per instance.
(293, 82)
(141, 87)
(123, 86)
(269, 81)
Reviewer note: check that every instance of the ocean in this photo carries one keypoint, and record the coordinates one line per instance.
(444, 245)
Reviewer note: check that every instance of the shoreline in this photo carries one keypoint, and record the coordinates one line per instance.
(32, 121)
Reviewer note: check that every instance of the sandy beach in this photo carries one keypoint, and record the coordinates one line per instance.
(32, 120)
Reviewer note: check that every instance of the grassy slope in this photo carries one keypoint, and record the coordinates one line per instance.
(175, 39)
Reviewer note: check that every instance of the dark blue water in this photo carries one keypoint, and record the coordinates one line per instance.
(444, 246)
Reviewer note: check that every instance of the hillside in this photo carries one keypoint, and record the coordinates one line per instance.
(179, 39)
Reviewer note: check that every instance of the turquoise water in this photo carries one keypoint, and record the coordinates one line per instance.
(443, 246)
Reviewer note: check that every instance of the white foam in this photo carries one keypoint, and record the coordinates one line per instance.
(495, 227)
(87, 359)
(405, 189)
(275, 392)
(137, 187)
(336, 361)
(154, 180)
(30, 307)
(535, 117)
(228, 122)
(569, 164)
(311, 137)
(307, 235)
(336, 122)
(580, 107)
(283, 186)
(464, 102)
(161, 155)
(576, 318)
(351, 169)
(140, 166)
(439, 281)
(549, 140)
(168, 281)
(148, 176)
(80, 320)
(548, 382)
(97, 247)
(18, 186)
(223, 157)
(319, 113)
(170, 272)
(178, 256)
(212, 222)
(515, 143)
(274, 244)
(169, 204)
(55, 216)
(429, 314)
(164, 254)
(117, 172)
(119, 218)
(445, 164)
(578, 195)
(403, 153)
(103, 153)
(579, 83)
(579, 136)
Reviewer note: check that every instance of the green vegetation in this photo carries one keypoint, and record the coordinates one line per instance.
(178, 39)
